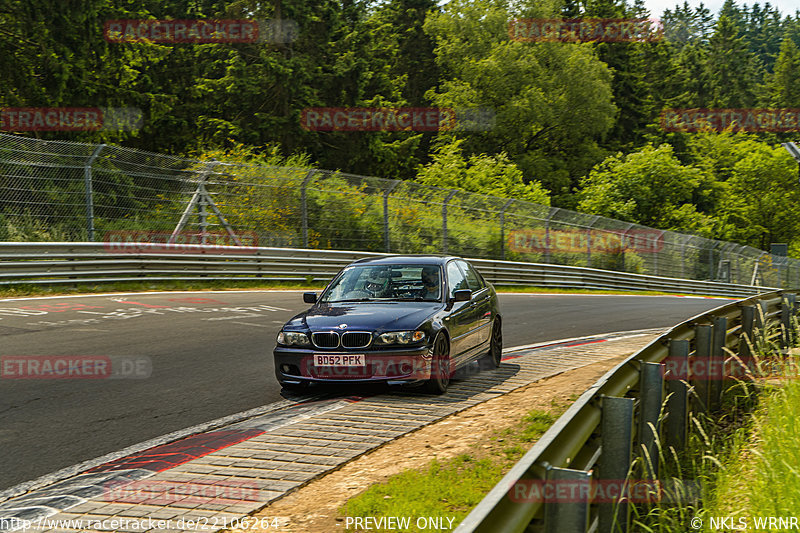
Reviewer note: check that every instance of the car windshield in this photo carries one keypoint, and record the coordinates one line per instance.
(385, 282)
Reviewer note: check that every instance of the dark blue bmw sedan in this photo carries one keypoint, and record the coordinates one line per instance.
(395, 319)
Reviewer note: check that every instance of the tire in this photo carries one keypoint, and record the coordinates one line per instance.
(495, 354)
(440, 366)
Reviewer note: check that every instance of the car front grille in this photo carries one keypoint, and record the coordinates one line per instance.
(325, 339)
(356, 339)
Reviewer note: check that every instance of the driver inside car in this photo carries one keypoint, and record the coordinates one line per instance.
(377, 284)
(430, 283)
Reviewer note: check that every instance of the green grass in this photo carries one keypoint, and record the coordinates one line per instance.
(451, 488)
(555, 290)
(20, 290)
(761, 478)
(744, 461)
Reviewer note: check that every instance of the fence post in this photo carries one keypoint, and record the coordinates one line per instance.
(304, 206)
(444, 220)
(553, 211)
(616, 433)
(386, 194)
(702, 360)
(201, 204)
(711, 275)
(589, 242)
(792, 297)
(651, 394)
(677, 394)
(655, 254)
(503, 229)
(87, 184)
(570, 516)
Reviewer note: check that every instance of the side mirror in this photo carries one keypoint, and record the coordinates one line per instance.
(462, 295)
(310, 297)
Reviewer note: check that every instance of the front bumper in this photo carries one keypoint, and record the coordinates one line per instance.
(295, 365)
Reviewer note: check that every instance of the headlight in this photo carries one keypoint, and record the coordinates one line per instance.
(293, 338)
(400, 337)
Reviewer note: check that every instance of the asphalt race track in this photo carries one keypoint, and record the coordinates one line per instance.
(169, 361)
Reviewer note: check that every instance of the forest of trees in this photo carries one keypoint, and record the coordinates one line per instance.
(576, 125)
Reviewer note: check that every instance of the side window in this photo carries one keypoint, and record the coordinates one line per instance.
(455, 279)
(474, 281)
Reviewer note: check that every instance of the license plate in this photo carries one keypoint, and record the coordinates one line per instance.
(350, 360)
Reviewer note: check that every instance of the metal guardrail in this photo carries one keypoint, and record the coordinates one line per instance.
(67, 262)
(620, 418)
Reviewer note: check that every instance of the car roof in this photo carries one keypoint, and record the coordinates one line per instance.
(405, 259)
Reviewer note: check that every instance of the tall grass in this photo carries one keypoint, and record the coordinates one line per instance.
(741, 462)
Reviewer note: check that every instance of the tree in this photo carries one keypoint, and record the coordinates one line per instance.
(784, 86)
(552, 101)
(482, 174)
(649, 187)
(762, 198)
(733, 70)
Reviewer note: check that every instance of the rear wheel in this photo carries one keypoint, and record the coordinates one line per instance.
(495, 354)
(440, 365)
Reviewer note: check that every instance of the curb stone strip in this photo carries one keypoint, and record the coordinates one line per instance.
(285, 449)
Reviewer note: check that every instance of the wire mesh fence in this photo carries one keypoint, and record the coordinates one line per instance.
(64, 191)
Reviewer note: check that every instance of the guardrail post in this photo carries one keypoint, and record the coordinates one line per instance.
(716, 373)
(304, 206)
(700, 365)
(651, 394)
(677, 376)
(89, 193)
(570, 516)
(386, 194)
(444, 220)
(615, 459)
(746, 337)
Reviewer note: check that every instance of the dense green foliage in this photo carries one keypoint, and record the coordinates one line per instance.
(574, 124)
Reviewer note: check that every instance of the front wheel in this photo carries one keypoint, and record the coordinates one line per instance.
(440, 366)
